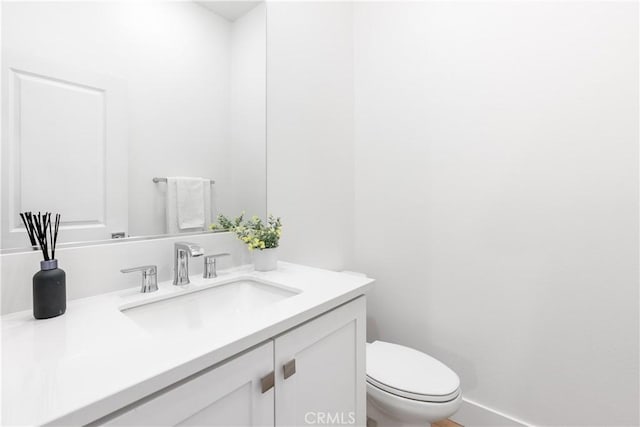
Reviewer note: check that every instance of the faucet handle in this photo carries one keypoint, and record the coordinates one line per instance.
(210, 265)
(149, 277)
(144, 268)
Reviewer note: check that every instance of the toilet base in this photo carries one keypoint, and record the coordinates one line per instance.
(377, 418)
(391, 411)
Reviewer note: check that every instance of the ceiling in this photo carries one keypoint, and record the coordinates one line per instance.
(230, 10)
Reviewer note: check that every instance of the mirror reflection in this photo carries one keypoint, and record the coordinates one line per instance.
(132, 118)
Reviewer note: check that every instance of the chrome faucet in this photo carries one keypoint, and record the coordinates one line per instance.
(181, 261)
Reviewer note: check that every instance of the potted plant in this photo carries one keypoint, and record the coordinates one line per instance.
(262, 238)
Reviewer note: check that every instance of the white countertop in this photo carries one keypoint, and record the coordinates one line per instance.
(93, 360)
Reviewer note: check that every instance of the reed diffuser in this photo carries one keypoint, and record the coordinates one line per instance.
(49, 284)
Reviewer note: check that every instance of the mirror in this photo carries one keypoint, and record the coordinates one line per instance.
(103, 101)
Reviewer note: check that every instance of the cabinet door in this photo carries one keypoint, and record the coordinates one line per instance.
(324, 365)
(226, 395)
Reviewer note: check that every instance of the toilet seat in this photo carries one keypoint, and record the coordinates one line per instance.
(414, 396)
(410, 374)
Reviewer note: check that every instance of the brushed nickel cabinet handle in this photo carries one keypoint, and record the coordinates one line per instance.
(289, 368)
(268, 381)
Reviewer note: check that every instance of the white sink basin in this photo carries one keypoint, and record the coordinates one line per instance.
(206, 307)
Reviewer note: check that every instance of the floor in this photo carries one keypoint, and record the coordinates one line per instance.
(443, 423)
(446, 423)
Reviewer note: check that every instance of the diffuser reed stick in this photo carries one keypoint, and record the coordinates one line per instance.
(26, 219)
(42, 232)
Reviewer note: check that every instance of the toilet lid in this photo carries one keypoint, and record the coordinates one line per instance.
(409, 373)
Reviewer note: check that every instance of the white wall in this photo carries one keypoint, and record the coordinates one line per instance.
(497, 197)
(248, 113)
(310, 130)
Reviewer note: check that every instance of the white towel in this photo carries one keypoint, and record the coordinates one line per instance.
(188, 204)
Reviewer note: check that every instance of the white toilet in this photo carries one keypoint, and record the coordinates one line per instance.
(406, 387)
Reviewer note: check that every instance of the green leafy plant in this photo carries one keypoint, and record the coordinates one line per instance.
(254, 232)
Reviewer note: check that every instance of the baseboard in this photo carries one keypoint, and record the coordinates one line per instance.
(473, 414)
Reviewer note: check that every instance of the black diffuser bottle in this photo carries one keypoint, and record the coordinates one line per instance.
(49, 284)
(49, 290)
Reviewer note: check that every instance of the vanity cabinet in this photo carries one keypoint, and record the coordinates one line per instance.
(320, 370)
(228, 395)
(318, 373)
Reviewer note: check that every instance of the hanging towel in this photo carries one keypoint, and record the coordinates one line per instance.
(188, 204)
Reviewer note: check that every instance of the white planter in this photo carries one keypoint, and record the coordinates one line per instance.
(265, 259)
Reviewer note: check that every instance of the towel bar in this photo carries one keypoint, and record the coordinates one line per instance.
(157, 180)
